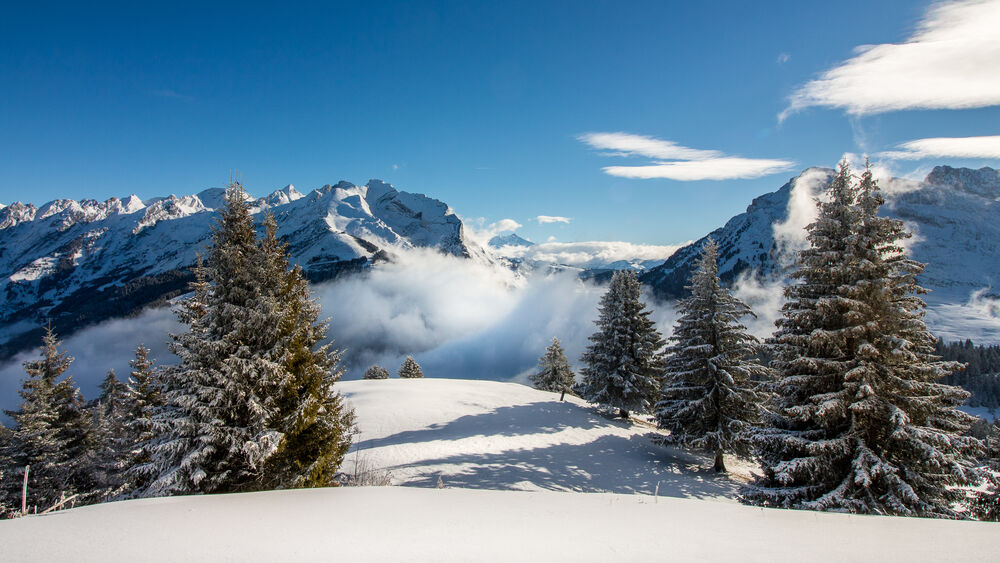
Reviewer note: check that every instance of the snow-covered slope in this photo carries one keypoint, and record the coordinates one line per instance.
(954, 215)
(78, 262)
(493, 435)
(488, 436)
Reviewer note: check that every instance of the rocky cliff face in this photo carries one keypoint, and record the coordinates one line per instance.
(74, 263)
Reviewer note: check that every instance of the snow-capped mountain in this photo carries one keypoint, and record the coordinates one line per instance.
(78, 262)
(954, 215)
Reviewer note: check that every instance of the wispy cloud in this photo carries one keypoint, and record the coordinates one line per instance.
(543, 219)
(172, 95)
(784, 58)
(677, 162)
(591, 254)
(949, 147)
(627, 144)
(949, 62)
(724, 168)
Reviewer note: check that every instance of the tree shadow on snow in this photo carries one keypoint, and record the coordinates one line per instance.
(517, 420)
(617, 464)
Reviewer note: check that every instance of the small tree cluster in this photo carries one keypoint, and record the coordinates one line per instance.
(376, 372)
(410, 369)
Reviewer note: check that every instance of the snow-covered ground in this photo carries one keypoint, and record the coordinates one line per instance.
(476, 435)
(492, 435)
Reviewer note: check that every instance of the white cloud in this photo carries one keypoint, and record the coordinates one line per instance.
(949, 62)
(591, 254)
(950, 147)
(480, 233)
(627, 144)
(784, 58)
(676, 162)
(724, 168)
(543, 219)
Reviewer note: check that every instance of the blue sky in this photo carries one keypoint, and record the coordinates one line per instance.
(487, 106)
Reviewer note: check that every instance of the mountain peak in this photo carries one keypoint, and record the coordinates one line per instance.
(983, 182)
(510, 239)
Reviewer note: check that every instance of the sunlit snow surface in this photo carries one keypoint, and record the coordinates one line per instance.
(488, 435)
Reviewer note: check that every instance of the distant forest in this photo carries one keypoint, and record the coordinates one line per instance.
(982, 373)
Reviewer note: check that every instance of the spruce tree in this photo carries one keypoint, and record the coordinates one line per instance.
(114, 441)
(410, 369)
(213, 433)
(623, 367)
(376, 372)
(553, 370)
(710, 399)
(145, 392)
(315, 423)
(252, 404)
(52, 433)
(865, 425)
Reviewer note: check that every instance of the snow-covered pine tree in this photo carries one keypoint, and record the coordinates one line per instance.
(376, 372)
(711, 398)
(986, 502)
(52, 431)
(114, 442)
(213, 435)
(623, 367)
(553, 370)
(410, 369)
(6, 500)
(864, 425)
(145, 392)
(315, 424)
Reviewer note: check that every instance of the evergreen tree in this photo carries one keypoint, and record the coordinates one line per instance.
(553, 370)
(315, 423)
(986, 503)
(410, 369)
(6, 499)
(710, 399)
(251, 404)
(145, 392)
(213, 433)
(114, 441)
(52, 432)
(623, 367)
(865, 426)
(376, 372)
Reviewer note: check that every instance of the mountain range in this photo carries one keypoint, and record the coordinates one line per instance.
(74, 263)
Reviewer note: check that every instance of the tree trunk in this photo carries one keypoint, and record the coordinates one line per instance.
(623, 413)
(720, 464)
(563, 396)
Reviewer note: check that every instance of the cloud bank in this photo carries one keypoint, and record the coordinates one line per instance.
(947, 147)
(949, 62)
(676, 162)
(591, 254)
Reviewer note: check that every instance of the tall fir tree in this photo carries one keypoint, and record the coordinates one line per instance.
(114, 441)
(410, 369)
(145, 392)
(711, 397)
(623, 367)
(213, 434)
(865, 426)
(6, 499)
(554, 373)
(251, 405)
(316, 425)
(52, 432)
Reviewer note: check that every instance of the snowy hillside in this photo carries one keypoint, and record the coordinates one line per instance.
(952, 213)
(79, 262)
(485, 435)
(492, 435)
